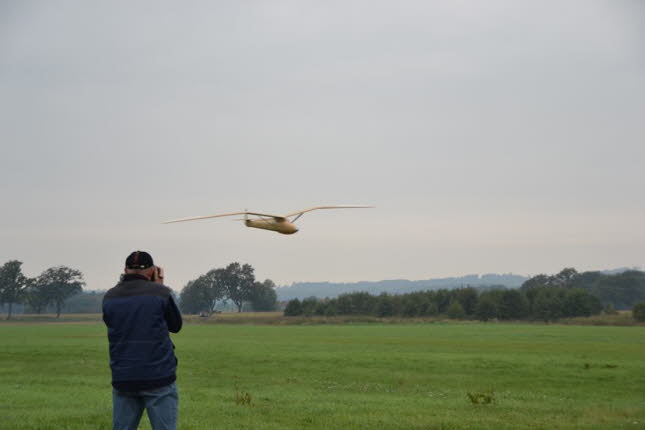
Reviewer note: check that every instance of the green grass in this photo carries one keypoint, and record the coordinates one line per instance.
(354, 376)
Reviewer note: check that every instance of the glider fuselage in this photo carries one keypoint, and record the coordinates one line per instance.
(274, 224)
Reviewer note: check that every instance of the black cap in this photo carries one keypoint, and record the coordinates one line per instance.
(139, 260)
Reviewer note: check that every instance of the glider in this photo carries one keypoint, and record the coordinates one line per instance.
(279, 223)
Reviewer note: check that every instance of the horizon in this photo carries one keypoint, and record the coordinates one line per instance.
(479, 275)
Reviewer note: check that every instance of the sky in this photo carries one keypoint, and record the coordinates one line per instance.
(491, 137)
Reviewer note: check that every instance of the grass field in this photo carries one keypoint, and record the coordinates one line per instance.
(352, 376)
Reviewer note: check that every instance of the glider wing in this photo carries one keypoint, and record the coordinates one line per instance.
(327, 207)
(221, 215)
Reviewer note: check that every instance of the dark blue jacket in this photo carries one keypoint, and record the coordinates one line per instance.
(139, 315)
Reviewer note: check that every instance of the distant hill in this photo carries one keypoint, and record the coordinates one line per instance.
(620, 270)
(302, 290)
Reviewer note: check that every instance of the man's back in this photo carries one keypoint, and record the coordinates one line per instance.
(139, 314)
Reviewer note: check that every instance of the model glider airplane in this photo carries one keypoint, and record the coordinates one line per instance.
(280, 223)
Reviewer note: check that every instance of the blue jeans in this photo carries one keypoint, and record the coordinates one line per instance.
(161, 404)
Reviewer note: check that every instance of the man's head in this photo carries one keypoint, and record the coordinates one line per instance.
(140, 263)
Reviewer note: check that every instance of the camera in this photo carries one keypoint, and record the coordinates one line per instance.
(157, 275)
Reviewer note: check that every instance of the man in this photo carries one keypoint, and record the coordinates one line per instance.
(139, 313)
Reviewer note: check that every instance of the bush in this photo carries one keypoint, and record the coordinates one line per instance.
(638, 311)
(610, 309)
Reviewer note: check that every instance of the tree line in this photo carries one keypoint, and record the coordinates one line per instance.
(234, 282)
(51, 288)
(542, 297)
(620, 291)
(61, 286)
(461, 303)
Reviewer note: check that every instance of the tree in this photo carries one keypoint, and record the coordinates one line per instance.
(486, 307)
(203, 293)
(622, 290)
(309, 306)
(455, 310)
(547, 304)
(638, 311)
(87, 302)
(579, 303)
(12, 284)
(59, 283)
(238, 282)
(566, 278)
(512, 305)
(190, 298)
(467, 298)
(344, 304)
(321, 308)
(432, 309)
(37, 296)
(536, 281)
(235, 282)
(384, 306)
(293, 309)
(426, 306)
(410, 306)
(360, 303)
(212, 288)
(587, 280)
(263, 296)
(331, 308)
(610, 310)
(442, 298)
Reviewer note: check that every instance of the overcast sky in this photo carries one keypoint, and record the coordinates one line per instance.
(497, 136)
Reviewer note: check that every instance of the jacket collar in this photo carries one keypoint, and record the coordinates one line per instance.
(134, 277)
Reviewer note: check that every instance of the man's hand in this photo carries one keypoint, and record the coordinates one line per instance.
(157, 275)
